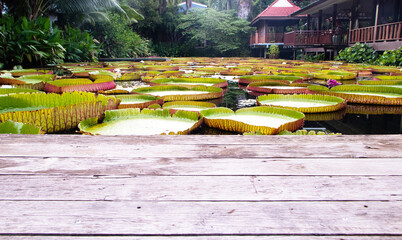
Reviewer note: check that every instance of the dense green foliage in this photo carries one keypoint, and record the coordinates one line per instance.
(118, 39)
(273, 51)
(29, 43)
(221, 33)
(80, 46)
(391, 58)
(358, 53)
(363, 53)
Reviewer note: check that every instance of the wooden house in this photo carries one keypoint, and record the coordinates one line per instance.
(334, 24)
(271, 25)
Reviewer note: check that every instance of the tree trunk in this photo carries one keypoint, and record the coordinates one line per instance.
(188, 5)
(244, 9)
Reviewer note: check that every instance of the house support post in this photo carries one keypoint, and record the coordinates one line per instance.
(334, 14)
(377, 9)
(319, 27)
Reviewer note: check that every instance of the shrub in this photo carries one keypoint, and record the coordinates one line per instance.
(391, 58)
(80, 46)
(29, 43)
(118, 39)
(358, 53)
(273, 51)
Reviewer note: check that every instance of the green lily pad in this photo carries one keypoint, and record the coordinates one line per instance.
(193, 106)
(267, 120)
(7, 91)
(245, 80)
(278, 87)
(337, 75)
(186, 82)
(54, 112)
(305, 103)
(133, 121)
(82, 85)
(11, 127)
(177, 93)
(137, 101)
(380, 95)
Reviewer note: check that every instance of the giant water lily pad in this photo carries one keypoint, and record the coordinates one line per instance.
(267, 120)
(186, 82)
(177, 93)
(193, 106)
(389, 83)
(137, 101)
(337, 75)
(83, 85)
(278, 87)
(11, 127)
(388, 78)
(133, 121)
(379, 95)
(54, 112)
(305, 103)
(12, 90)
(245, 80)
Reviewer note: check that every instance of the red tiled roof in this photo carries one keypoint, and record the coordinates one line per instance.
(279, 8)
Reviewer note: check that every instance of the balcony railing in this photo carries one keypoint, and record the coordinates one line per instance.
(312, 37)
(384, 32)
(269, 38)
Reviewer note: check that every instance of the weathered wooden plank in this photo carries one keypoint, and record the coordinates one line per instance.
(171, 146)
(199, 188)
(158, 218)
(199, 166)
(192, 139)
(214, 237)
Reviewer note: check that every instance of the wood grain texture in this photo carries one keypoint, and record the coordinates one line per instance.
(214, 237)
(200, 188)
(202, 147)
(131, 217)
(178, 166)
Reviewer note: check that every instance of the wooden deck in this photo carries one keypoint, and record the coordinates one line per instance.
(201, 187)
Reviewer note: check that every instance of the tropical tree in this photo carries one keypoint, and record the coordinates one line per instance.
(32, 9)
(224, 33)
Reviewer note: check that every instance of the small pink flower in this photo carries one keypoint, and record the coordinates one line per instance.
(332, 83)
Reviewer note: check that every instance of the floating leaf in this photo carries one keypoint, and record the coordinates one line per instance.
(267, 120)
(277, 87)
(11, 127)
(245, 80)
(84, 85)
(177, 93)
(193, 106)
(137, 101)
(305, 103)
(54, 112)
(146, 122)
(187, 82)
(379, 95)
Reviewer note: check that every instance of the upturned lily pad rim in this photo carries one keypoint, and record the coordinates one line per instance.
(136, 113)
(211, 118)
(220, 83)
(147, 100)
(346, 92)
(337, 102)
(213, 92)
(12, 127)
